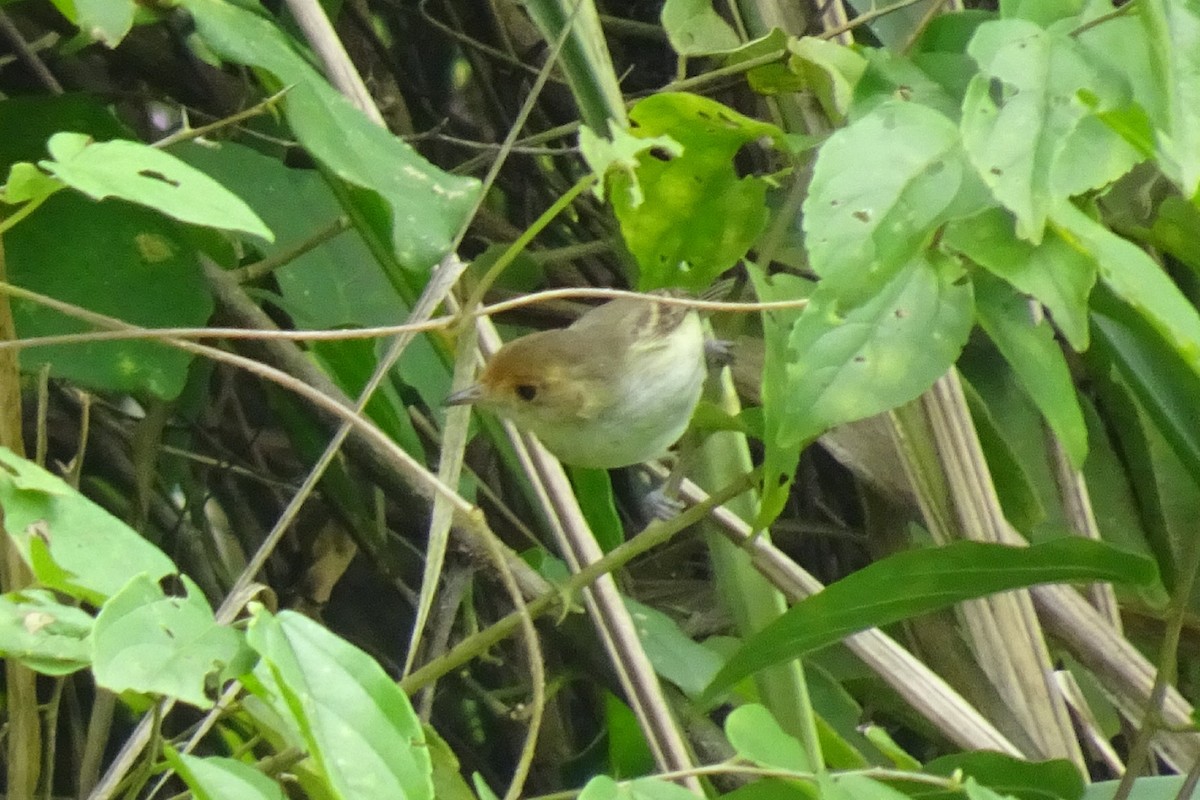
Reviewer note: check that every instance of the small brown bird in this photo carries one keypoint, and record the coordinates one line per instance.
(617, 387)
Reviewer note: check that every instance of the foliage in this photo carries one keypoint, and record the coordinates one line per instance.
(978, 234)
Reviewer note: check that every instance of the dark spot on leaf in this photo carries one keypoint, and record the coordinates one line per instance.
(904, 92)
(996, 92)
(862, 215)
(900, 313)
(660, 153)
(158, 176)
(996, 171)
(860, 359)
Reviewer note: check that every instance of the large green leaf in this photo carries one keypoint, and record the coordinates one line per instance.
(44, 634)
(757, 737)
(428, 206)
(694, 28)
(881, 187)
(1161, 379)
(141, 174)
(1058, 275)
(337, 284)
(118, 259)
(1036, 359)
(358, 726)
(1014, 777)
(216, 778)
(73, 545)
(918, 581)
(841, 362)
(147, 641)
(698, 217)
(1166, 787)
(1136, 279)
(1173, 30)
(676, 656)
(1022, 123)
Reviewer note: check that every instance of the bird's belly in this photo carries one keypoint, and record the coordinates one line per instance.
(647, 420)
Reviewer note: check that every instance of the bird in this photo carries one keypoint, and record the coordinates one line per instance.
(615, 388)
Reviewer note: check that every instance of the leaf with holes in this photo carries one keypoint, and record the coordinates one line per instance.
(146, 641)
(881, 188)
(699, 217)
(140, 174)
(845, 359)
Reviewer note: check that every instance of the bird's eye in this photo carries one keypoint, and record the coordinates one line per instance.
(526, 391)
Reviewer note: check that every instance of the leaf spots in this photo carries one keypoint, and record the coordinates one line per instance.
(158, 176)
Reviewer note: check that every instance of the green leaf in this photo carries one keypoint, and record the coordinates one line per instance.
(105, 21)
(1036, 359)
(757, 737)
(44, 634)
(337, 284)
(1173, 30)
(1059, 275)
(94, 553)
(1167, 787)
(448, 781)
(26, 182)
(855, 787)
(1043, 12)
(216, 778)
(1136, 279)
(844, 361)
(621, 154)
(780, 458)
(628, 751)
(600, 787)
(1161, 379)
(856, 361)
(150, 277)
(427, 205)
(1014, 777)
(918, 581)
(1176, 229)
(141, 174)
(593, 488)
(881, 188)
(675, 655)
(603, 787)
(770, 789)
(830, 71)
(695, 29)
(890, 75)
(1015, 486)
(359, 727)
(975, 791)
(654, 789)
(149, 642)
(698, 217)
(1021, 118)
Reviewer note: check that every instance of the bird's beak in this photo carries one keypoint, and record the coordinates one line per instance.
(466, 396)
